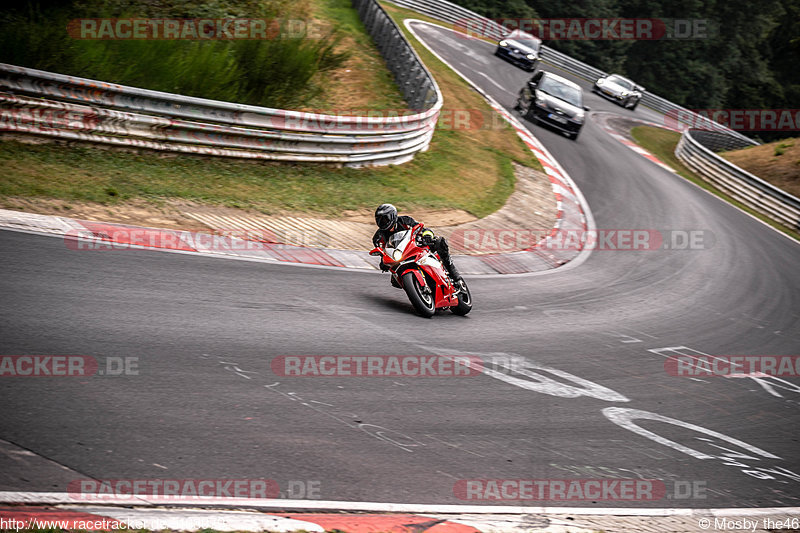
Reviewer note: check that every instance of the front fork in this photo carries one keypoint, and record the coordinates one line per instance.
(423, 282)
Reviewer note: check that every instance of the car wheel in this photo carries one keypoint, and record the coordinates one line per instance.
(519, 105)
(633, 106)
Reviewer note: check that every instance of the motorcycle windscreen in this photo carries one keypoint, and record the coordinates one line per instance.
(397, 242)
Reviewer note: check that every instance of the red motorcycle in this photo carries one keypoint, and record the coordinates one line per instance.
(419, 271)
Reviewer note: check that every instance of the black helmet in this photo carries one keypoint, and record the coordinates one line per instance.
(385, 216)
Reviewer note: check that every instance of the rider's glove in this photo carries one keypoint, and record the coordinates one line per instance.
(384, 267)
(426, 237)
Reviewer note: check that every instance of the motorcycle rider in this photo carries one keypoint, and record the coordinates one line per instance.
(389, 222)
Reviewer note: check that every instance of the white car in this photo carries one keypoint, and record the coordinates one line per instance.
(619, 90)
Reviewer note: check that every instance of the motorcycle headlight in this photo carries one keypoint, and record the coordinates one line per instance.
(503, 43)
(531, 56)
(397, 255)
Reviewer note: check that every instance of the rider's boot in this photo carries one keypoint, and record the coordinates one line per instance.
(455, 275)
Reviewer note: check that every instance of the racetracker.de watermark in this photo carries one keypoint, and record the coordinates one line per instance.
(196, 29)
(109, 238)
(700, 366)
(67, 366)
(172, 489)
(353, 121)
(734, 119)
(590, 29)
(477, 241)
(375, 366)
(559, 489)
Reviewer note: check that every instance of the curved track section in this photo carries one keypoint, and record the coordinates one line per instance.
(592, 399)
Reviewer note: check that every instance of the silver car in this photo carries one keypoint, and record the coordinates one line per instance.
(521, 49)
(619, 90)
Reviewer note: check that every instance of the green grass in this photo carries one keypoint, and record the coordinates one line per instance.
(467, 169)
(781, 148)
(364, 70)
(87, 174)
(662, 144)
(282, 72)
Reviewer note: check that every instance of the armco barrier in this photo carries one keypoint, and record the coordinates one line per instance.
(66, 107)
(739, 184)
(455, 14)
(697, 146)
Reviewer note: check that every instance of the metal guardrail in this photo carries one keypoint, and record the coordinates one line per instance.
(71, 108)
(460, 16)
(416, 83)
(737, 183)
(700, 139)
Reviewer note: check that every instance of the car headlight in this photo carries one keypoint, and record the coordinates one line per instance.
(540, 101)
(397, 255)
(578, 118)
(624, 94)
(503, 43)
(531, 56)
(600, 81)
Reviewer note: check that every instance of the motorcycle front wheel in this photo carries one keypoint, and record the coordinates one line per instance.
(420, 299)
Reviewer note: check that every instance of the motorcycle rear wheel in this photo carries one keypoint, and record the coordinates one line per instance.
(464, 301)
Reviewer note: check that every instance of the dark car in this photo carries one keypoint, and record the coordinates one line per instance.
(521, 49)
(552, 100)
(619, 90)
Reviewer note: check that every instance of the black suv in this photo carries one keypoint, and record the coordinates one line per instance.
(552, 100)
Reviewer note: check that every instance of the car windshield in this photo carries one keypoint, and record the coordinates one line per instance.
(528, 43)
(622, 82)
(568, 93)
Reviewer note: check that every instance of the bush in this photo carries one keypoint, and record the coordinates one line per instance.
(279, 72)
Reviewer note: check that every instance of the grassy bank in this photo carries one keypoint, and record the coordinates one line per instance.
(777, 163)
(465, 168)
(662, 144)
(297, 65)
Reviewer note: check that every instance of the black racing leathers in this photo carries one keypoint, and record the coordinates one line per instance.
(439, 244)
(381, 236)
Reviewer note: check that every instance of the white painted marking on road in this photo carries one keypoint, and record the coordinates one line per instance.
(624, 417)
(518, 371)
(329, 505)
(492, 81)
(391, 436)
(761, 380)
(625, 339)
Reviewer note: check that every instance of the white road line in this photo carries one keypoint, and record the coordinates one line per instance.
(144, 501)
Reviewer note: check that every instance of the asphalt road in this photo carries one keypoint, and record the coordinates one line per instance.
(203, 402)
